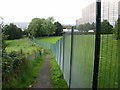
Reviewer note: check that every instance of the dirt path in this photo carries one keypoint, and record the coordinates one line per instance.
(44, 78)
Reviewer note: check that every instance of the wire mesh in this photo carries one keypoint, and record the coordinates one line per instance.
(108, 68)
(83, 59)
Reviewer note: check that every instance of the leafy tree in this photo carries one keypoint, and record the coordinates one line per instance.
(106, 27)
(12, 31)
(49, 26)
(59, 28)
(40, 27)
(36, 27)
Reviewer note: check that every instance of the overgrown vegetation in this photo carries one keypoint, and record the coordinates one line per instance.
(20, 64)
(18, 71)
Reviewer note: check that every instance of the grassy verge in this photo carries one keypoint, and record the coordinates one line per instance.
(57, 76)
(25, 78)
(24, 44)
(51, 39)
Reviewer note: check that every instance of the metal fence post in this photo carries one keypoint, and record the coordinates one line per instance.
(118, 46)
(63, 51)
(71, 55)
(97, 45)
(60, 53)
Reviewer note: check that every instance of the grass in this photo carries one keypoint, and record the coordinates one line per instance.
(25, 44)
(28, 74)
(57, 76)
(51, 39)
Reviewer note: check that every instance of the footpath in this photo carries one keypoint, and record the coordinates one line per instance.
(44, 78)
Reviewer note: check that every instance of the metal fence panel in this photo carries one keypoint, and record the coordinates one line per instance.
(67, 57)
(82, 66)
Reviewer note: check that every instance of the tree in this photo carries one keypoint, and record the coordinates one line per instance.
(12, 31)
(59, 28)
(40, 27)
(49, 26)
(2, 38)
(86, 27)
(35, 28)
(106, 27)
(116, 29)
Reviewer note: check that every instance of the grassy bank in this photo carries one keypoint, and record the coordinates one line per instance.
(27, 75)
(56, 73)
(51, 39)
(25, 44)
(58, 80)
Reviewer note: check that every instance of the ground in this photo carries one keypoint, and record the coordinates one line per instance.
(44, 78)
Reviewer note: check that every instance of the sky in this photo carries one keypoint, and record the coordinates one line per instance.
(64, 11)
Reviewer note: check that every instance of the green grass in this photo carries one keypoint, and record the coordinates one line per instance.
(28, 74)
(57, 76)
(51, 39)
(25, 44)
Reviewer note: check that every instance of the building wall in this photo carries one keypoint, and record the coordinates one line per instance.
(119, 9)
(109, 11)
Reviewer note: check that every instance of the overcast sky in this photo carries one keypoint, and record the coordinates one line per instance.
(64, 11)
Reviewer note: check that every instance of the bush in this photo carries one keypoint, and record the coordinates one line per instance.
(18, 71)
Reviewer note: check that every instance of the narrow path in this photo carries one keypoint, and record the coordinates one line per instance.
(44, 78)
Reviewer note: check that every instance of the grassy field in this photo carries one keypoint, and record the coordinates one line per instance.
(25, 44)
(51, 39)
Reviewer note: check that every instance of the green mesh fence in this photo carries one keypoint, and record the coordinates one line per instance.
(83, 61)
(108, 65)
(79, 73)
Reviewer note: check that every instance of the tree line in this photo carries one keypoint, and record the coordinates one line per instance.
(44, 27)
(39, 27)
(106, 27)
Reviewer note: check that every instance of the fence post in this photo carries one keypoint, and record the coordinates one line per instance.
(118, 46)
(71, 55)
(63, 51)
(97, 45)
(60, 53)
